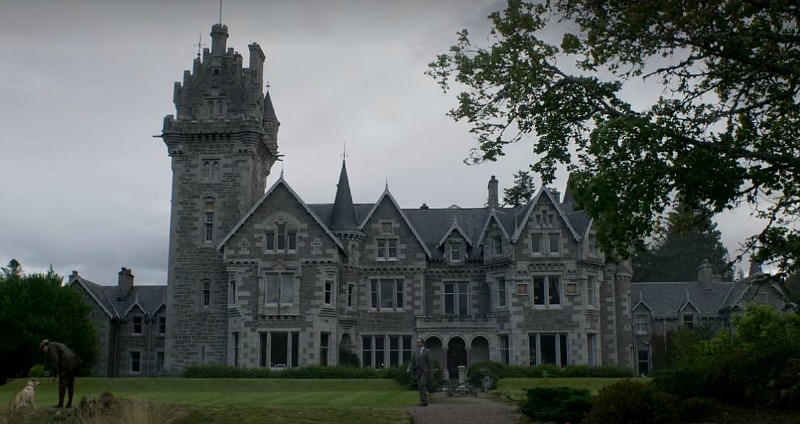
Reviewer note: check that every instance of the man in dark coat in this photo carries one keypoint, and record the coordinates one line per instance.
(422, 366)
(65, 362)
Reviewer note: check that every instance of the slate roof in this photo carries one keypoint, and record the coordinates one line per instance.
(430, 225)
(269, 109)
(434, 224)
(149, 298)
(667, 299)
(343, 213)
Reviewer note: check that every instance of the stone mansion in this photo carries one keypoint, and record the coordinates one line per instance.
(257, 277)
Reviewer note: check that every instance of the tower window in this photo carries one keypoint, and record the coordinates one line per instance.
(211, 169)
(206, 295)
(208, 223)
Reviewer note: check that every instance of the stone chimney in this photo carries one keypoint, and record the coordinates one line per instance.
(755, 268)
(493, 201)
(125, 282)
(556, 195)
(705, 274)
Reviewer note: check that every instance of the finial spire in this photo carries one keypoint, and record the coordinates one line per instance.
(387, 183)
(199, 44)
(282, 165)
(344, 151)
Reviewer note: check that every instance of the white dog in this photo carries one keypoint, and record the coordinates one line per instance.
(26, 395)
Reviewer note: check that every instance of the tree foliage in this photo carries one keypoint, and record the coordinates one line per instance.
(37, 306)
(748, 366)
(521, 192)
(13, 270)
(724, 129)
(688, 238)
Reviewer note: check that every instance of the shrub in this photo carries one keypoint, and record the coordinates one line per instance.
(632, 402)
(349, 359)
(311, 371)
(407, 378)
(36, 371)
(605, 371)
(497, 371)
(696, 409)
(492, 369)
(557, 404)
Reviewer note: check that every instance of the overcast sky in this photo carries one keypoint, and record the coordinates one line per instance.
(84, 87)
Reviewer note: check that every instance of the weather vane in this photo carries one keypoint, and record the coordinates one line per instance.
(220, 12)
(199, 44)
(344, 151)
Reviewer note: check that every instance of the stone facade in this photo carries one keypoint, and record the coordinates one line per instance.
(223, 142)
(707, 304)
(130, 323)
(259, 278)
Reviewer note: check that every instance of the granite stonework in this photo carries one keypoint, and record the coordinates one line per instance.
(259, 278)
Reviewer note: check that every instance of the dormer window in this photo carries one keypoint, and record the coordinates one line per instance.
(456, 253)
(137, 325)
(688, 320)
(497, 245)
(641, 323)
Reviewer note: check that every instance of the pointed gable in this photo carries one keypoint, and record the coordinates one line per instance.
(386, 195)
(492, 217)
(281, 183)
(343, 215)
(545, 193)
(455, 227)
(96, 292)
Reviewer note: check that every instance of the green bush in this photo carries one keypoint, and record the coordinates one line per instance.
(407, 378)
(557, 404)
(633, 402)
(696, 409)
(492, 369)
(349, 359)
(497, 371)
(605, 371)
(311, 371)
(36, 371)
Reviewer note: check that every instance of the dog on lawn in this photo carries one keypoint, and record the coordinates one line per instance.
(27, 395)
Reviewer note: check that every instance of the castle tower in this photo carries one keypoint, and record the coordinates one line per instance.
(223, 141)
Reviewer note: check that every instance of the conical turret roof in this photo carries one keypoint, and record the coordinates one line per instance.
(343, 217)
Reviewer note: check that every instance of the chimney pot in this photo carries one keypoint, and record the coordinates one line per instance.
(493, 201)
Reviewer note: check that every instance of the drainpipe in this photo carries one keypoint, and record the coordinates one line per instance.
(114, 348)
(149, 348)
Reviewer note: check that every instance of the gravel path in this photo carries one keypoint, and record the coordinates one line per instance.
(464, 410)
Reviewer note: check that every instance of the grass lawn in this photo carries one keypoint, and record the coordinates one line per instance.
(246, 400)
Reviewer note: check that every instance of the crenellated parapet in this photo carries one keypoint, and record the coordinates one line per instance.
(219, 88)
